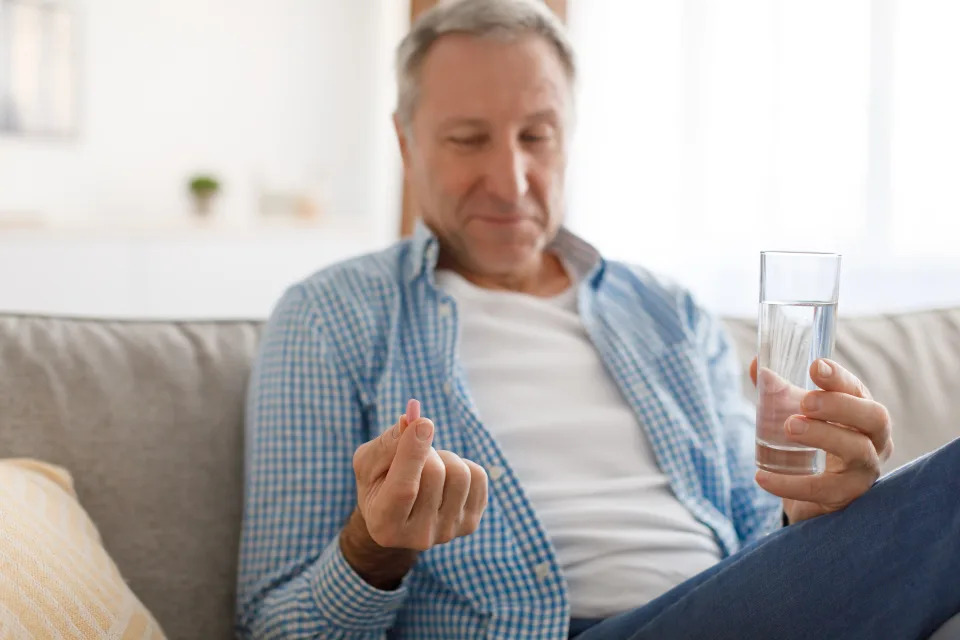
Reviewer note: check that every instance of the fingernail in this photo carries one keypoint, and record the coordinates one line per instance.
(396, 428)
(424, 430)
(811, 402)
(824, 369)
(797, 426)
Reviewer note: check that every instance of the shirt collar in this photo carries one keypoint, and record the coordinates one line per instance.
(423, 254)
(582, 256)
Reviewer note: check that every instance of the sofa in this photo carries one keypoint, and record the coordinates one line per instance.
(148, 417)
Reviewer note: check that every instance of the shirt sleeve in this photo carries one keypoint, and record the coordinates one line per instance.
(304, 421)
(755, 512)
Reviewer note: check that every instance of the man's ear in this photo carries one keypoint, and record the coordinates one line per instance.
(403, 141)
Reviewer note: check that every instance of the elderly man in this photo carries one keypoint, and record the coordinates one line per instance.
(584, 461)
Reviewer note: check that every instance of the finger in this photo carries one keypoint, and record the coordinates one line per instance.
(753, 371)
(830, 376)
(867, 416)
(424, 515)
(476, 500)
(373, 458)
(830, 491)
(772, 385)
(456, 488)
(854, 449)
(402, 484)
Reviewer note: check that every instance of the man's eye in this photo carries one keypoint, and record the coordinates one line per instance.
(535, 137)
(469, 141)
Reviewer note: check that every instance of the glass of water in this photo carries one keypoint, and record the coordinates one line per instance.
(798, 318)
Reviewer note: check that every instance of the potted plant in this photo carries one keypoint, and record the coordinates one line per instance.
(203, 188)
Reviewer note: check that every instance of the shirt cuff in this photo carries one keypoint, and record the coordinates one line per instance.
(348, 600)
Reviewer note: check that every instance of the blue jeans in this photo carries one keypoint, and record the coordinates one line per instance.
(887, 566)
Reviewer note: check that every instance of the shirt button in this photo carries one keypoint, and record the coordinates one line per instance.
(445, 309)
(447, 388)
(542, 570)
(494, 471)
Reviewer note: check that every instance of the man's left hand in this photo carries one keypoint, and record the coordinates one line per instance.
(853, 429)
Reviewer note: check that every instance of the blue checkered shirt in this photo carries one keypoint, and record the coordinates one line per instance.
(342, 353)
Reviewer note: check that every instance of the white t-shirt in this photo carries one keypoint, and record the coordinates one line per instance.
(622, 537)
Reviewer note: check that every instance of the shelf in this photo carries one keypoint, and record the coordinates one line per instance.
(189, 227)
(189, 270)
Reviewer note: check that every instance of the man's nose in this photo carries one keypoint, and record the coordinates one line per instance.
(507, 173)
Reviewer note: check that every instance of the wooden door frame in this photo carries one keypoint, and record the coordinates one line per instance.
(408, 215)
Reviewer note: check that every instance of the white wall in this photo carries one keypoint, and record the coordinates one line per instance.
(246, 89)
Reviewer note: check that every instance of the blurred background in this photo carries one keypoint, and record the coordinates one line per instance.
(192, 158)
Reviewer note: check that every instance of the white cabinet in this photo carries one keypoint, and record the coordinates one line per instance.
(183, 273)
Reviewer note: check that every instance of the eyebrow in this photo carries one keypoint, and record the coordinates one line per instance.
(450, 123)
(546, 115)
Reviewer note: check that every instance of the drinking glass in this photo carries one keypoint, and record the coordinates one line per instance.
(798, 317)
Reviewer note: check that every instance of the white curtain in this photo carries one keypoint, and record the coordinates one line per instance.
(709, 130)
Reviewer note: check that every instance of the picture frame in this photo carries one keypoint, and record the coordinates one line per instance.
(39, 79)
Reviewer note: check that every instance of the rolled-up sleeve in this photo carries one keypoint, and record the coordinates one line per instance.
(304, 421)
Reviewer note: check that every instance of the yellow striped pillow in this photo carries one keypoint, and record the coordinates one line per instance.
(56, 579)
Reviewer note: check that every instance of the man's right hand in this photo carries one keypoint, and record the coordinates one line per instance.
(409, 498)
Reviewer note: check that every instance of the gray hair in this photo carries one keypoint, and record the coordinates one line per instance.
(503, 19)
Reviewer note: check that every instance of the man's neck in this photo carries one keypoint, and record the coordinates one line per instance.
(546, 278)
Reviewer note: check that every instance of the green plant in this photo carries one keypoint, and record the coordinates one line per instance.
(204, 185)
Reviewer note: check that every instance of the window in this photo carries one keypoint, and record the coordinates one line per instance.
(709, 131)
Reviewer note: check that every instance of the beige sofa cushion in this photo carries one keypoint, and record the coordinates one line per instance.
(148, 419)
(58, 581)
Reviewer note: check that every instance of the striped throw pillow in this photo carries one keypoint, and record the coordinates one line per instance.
(56, 579)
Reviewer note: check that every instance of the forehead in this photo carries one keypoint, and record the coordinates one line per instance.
(465, 75)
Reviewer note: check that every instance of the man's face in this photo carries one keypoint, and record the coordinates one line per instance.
(487, 153)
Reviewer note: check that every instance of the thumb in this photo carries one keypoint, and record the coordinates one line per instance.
(375, 457)
(412, 451)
